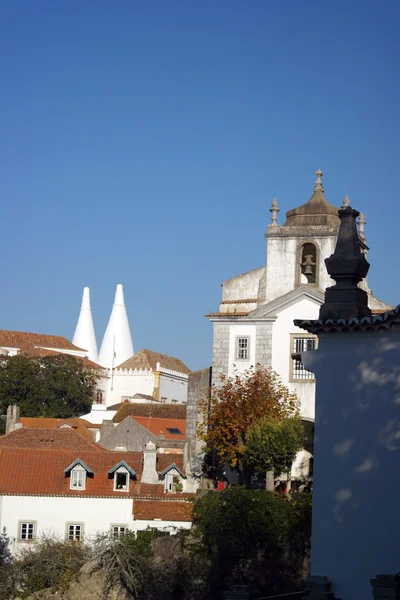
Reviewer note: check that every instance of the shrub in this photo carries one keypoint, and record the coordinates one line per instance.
(254, 537)
(124, 560)
(50, 562)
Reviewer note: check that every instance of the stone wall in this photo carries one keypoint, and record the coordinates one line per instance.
(264, 343)
(220, 362)
(199, 383)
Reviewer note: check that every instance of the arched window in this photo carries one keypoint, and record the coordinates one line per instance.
(308, 264)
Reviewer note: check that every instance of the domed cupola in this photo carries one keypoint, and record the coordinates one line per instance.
(316, 212)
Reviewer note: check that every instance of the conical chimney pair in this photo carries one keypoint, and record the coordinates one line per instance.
(117, 343)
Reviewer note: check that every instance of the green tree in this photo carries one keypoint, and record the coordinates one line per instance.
(52, 386)
(236, 407)
(272, 444)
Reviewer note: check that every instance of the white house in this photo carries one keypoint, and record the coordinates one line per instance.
(78, 493)
(254, 323)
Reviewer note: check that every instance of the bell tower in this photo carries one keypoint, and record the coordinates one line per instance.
(296, 251)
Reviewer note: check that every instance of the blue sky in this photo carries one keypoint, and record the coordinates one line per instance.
(143, 142)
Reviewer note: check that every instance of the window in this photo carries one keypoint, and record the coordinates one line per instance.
(27, 531)
(174, 430)
(78, 480)
(163, 399)
(301, 344)
(242, 348)
(119, 530)
(74, 532)
(121, 481)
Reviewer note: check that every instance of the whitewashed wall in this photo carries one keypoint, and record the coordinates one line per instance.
(128, 383)
(235, 331)
(174, 387)
(281, 351)
(53, 513)
(356, 517)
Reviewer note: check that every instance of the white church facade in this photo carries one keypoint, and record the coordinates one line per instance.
(254, 323)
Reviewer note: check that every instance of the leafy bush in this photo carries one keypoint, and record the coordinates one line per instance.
(48, 563)
(254, 537)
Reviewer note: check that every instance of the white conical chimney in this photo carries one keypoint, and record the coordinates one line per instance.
(85, 336)
(117, 343)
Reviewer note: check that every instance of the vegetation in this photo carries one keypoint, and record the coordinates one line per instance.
(50, 386)
(245, 410)
(239, 536)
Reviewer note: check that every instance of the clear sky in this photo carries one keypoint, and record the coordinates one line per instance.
(142, 143)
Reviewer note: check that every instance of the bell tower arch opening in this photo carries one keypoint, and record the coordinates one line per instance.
(308, 263)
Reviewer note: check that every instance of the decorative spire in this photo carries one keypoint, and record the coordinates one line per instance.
(361, 224)
(117, 343)
(318, 187)
(84, 336)
(347, 266)
(346, 202)
(274, 212)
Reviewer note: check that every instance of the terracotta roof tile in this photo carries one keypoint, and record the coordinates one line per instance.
(166, 411)
(35, 437)
(41, 472)
(173, 510)
(147, 359)
(27, 341)
(47, 422)
(161, 426)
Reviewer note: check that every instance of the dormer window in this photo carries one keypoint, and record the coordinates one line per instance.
(122, 474)
(78, 479)
(78, 472)
(172, 477)
(121, 481)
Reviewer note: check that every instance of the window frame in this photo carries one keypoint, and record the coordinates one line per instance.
(121, 471)
(119, 526)
(27, 540)
(294, 356)
(237, 349)
(74, 524)
(75, 472)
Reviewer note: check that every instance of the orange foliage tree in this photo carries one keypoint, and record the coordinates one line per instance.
(238, 403)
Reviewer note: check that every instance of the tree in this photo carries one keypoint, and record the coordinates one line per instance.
(272, 444)
(238, 404)
(52, 386)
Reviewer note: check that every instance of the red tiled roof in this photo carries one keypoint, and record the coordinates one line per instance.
(41, 472)
(160, 426)
(49, 423)
(163, 411)
(38, 471)
(173, 510)
(34, 437)
(147, 359)
(41, 352)
(27, 341)
(164, 460)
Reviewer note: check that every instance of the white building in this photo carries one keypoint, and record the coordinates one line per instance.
(77, 493)
(254, 323)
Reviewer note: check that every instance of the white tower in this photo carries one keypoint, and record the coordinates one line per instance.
(117, 343)
(85, 336)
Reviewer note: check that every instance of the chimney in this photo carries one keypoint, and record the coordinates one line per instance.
(117, 343)
(84, 336)
(150, 474)
(12, 419)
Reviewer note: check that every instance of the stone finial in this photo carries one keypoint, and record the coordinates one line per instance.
(346, 202)
(361, 225)
(347, 266)
(274, 212)
(318, 187)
